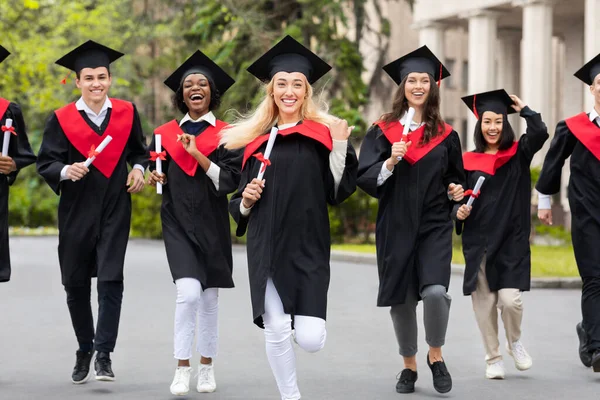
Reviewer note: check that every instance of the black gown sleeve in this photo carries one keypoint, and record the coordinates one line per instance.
(455, 172)
(561, 148)
(374, 151)
(536, 134)
(19, 148)
(236, 199)
(137, 153)
(53, 154)
(230, 165)
(348, 182)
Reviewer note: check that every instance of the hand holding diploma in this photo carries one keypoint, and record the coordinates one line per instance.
(475, 192)
(8, 130)
(252, 192)
(94, 152)
(409, 118)
(265, 158)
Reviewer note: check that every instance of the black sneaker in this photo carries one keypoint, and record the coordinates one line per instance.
(81, 371)
(584, 355)
(442, 381)
(596, 361)
(103, 368)
(406, 382)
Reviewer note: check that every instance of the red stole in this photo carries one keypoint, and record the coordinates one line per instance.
(3, 106)
(310, 129)
(488, 163)
(206, 142)
(393, 133)
(586, 132)
(83, 137)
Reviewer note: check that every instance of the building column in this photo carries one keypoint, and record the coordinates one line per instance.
(482, 58)
(508, 67)
(431, 34)
(591, 42)
(536, 61)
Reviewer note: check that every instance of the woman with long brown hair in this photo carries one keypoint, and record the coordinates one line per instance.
(311, 164)
(416, 177)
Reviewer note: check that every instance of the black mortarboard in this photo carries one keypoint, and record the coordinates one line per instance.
(497, 101)
(3, 53)
(89, 55)
(290, 56)
(420, 60)
(589, 71)
(199, 63)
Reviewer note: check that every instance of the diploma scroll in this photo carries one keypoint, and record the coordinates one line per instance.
(409, 118)
(476, 190)
(7, 132)
(268, 150)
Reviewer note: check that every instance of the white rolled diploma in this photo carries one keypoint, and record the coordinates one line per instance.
(105, 142)
(409, 117)
(158, 149)
(268, 149)
(6, 138)
(475, 190)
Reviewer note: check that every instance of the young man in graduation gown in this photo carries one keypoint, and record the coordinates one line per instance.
(94, 210)
(579, 137)
(19, 156)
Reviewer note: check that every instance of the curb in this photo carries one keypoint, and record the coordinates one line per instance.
(459, 269)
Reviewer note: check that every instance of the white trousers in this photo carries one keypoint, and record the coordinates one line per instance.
(195, 311)
(310, 336)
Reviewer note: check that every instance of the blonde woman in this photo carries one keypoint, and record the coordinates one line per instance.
(285, 214)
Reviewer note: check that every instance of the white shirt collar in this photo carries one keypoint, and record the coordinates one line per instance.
(285, 126)
(208, 117)
(413, 125)
(594, 115)
(82, 106)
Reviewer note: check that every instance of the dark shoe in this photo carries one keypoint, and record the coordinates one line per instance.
(406, 382)
(596, 361)
(442, 381)
(584, 355)
(81, 371)
(103, 368)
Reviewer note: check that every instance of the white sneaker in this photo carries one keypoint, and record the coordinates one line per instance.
(522, 359)
(206, 378)
(181, 381)
(495, 370)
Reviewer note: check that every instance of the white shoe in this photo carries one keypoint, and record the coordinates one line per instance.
(206, 378)
(495, 370)
(181, 381)
(522, 359)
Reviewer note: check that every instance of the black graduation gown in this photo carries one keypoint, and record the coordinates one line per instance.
(288, 228)
(414, 228)
(20, 151)
(500, 221)
(195, 218)
(94, 213)
(583, 192)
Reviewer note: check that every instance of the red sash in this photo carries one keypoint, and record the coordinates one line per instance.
(310, 129)
(3, 106)
(206, 142)
(586, 132)
(488, 163)
(83, 137)
(393, 133)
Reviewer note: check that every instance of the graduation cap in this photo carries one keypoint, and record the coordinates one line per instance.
(497, 101)
(89, 55)
(589, 71)
(290, 56)
(3, 53)
(420, 60)
(199, 63)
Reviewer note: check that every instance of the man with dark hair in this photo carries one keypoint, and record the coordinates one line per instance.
(94, 212)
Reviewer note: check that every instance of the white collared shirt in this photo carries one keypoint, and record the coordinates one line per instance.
(97, 119)
(544, 199)
(214, 170)
(385, 173)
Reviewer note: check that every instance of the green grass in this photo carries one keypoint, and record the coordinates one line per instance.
(546, 261)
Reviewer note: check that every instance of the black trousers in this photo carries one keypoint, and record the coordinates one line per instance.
(590, 309)
(110, 297)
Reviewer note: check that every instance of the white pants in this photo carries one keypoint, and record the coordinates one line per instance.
(310, 336)
(194, 303)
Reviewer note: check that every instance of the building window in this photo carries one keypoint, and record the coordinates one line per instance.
(464, 134)
(465, 75)
(450, 65)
